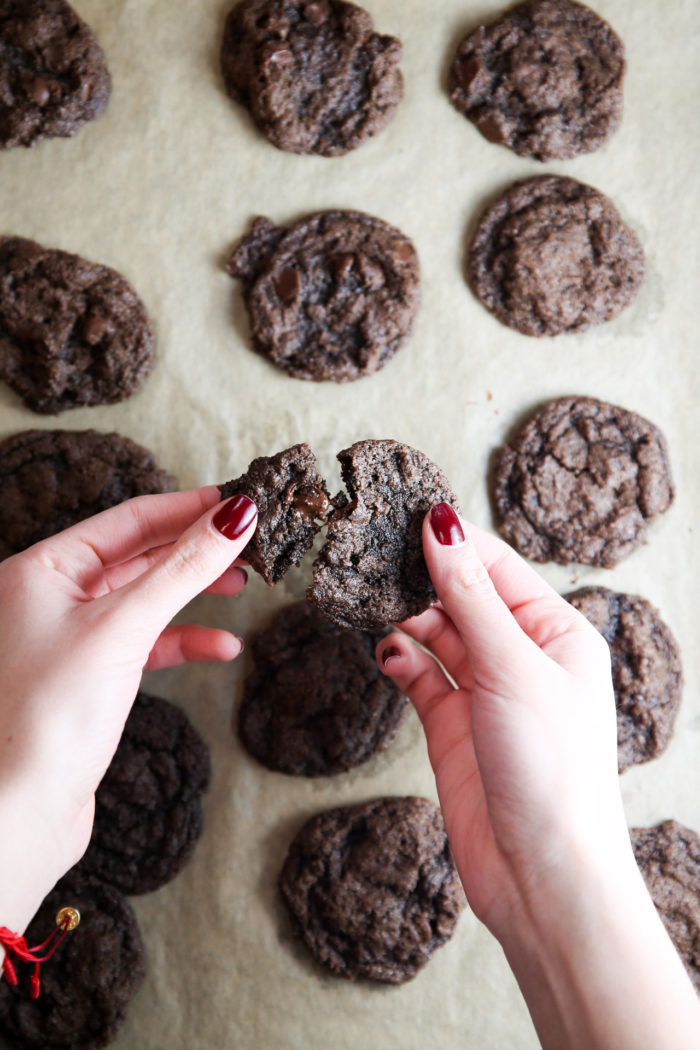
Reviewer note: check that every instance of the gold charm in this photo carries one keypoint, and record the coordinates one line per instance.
(68, 918)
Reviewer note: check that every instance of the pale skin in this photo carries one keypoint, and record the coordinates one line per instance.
(523, 745)
(524, 750)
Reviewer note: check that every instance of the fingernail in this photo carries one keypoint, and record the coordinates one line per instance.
(390, 653)
(234, 517)
(445, 524)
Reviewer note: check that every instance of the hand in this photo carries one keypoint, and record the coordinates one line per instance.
(521, 728)
(83, 614)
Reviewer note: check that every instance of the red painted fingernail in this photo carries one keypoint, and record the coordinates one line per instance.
(445, 525)
(389, 653)
(234, 517)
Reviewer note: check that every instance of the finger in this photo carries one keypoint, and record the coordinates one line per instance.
(435, 630)
(197, 559)
(231, 582)
(494, 641)
(125, 531)
(444, 711)
(192, 643)
(515, 581)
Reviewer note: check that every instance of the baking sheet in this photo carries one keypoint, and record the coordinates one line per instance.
(161, 188)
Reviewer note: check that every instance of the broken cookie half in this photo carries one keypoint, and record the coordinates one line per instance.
(370, 571)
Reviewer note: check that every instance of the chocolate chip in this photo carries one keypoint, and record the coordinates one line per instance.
(277, 54)
(94, 328)
(288, 285)
(41, 91)
(404, 252)
(468, 71)
(341, 264)
(85, 90)
(312, 504)
(315, 13)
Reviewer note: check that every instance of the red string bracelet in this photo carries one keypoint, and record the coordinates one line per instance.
(66, 920)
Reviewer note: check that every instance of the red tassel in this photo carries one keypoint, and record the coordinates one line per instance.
(67, 919)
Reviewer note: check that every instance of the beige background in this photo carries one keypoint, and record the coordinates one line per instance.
(161, 188)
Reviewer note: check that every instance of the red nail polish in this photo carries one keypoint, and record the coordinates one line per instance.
(389, 652)
(234, 517)
(445, 525)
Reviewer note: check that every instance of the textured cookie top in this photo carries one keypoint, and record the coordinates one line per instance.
(372, 889)
(646, 670)
(552, 255)
(544, 79)
(668, 856)
(316, 702)
(292, 502)
(53, 77)
(148, 812)
(371, 570)
(581, 482)
(314, 75)
(72, 332)
(333, 297)
(51, 479)
(88, 984)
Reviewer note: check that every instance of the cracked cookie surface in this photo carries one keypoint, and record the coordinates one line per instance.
(148, 806)
(552, 255)
(315, 702)
(372, 889)
(668, 856)
(314, 75)
(646, 670)
(332, 297)
(370, 571)
(544, 79)
(53, 77)
(51, 479)
(581, 481)
(72, 332)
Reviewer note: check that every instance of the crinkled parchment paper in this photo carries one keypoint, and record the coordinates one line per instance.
(161, 188)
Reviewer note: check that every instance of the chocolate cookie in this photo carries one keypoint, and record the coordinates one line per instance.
(333, 297)
(314, 76)
(87, 985)
(72, 332)
(51, 479)
(372, 889)
(148, 812)
(553, 255)
(668, 856)
(544, 79)
(581, 481)
(292, 501)
(646, 670)
(315, 702)
(371, 571)
(53, 77)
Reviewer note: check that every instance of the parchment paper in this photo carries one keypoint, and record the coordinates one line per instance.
(161, 188)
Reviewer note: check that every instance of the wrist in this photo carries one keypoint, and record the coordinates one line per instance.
(587, 948)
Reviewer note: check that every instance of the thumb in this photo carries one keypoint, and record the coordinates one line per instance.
(495, 643)
(194, 561)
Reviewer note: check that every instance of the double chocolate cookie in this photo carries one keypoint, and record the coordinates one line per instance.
(370, 570)
(88, 984)
(668, 856)
(314, 75)
(292, 502)
(372, 889)
(333, 297)
(53, 77)
(552, 255)
(315, 702)
(646, 670)
(51, 479)
(544, 79)
(581, 481)
(148, 808)
(72, 332)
